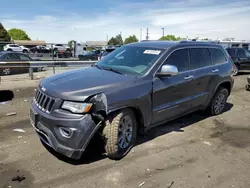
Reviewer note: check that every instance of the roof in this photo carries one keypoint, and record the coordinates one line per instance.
(30, 42)
(167, 44)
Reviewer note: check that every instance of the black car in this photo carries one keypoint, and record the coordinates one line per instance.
(135, 88)
(107, 51)
(7, 56)
(39, 49)
(240, 57)
(91, 55)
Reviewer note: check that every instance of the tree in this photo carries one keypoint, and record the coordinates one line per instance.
(130, 39)
(112, 41)
(18, 34)
(116, 40)
(170, 37)
(70, 44)
(4, 36)
(119, 39)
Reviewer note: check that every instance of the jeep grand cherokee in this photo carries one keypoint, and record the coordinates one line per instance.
(136, 87)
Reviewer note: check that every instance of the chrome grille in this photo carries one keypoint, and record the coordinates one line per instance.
(43, 101)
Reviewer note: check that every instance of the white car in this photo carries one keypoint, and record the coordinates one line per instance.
(15, 48)
(60, 47)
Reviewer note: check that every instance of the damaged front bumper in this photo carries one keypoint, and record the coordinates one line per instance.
(68, 137)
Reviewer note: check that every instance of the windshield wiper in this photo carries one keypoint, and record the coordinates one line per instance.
(96, 65)
(113, 70)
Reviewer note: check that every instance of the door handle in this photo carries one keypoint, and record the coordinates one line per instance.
(215, 70)
(189, 77)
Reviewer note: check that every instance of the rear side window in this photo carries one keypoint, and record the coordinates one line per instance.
(24, 57)
(200, 57)
(218, 56)
(241, 53)
(180, 59)
(13, 45)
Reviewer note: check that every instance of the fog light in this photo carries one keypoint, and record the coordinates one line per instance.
(66, 132)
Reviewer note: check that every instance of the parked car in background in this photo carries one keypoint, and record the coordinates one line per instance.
(90, 55)
(108, 50)
(240, 57)
(135, 88)
(40, 49)
(12, 47)
(9, 56)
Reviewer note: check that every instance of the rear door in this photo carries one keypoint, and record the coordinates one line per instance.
(204, 73)
(173, 95)
(23, 58)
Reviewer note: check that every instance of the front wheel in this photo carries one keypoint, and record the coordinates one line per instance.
(120, 131)
(218, 102)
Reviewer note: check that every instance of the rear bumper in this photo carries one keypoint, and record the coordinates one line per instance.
(49, 129)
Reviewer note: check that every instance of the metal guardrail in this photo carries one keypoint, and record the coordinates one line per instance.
(35, 64)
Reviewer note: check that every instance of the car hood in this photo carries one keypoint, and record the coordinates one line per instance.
(81, 83)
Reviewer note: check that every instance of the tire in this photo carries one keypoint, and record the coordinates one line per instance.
(248, 87)
(6, 71)
(10, 50)
(113, 132)
(25, 51)
(218, 102)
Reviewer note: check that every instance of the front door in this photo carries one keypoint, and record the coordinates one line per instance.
(172, 95)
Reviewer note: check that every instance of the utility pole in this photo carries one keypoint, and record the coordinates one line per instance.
(107, 39)
(163, 32)
(140, 34)
(147, 37)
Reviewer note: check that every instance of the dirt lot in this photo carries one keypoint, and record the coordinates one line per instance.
(194, 151)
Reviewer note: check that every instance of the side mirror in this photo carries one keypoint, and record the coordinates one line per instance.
(6, 95)
(167, 70)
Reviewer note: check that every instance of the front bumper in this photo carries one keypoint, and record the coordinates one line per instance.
(49, 130)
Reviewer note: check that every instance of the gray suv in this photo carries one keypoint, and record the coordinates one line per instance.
(136, 87)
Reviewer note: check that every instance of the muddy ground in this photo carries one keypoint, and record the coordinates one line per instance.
(194, 151)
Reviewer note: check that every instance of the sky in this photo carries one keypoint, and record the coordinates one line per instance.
(96, 20)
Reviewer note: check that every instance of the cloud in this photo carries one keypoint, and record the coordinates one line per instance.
(183, 18)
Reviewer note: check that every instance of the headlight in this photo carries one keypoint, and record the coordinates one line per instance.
(77, 107)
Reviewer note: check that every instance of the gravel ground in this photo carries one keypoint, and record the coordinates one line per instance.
(194, 151)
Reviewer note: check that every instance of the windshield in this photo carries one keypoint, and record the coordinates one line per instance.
(131, 59)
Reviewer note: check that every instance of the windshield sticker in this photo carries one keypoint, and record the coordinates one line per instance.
(154, 52)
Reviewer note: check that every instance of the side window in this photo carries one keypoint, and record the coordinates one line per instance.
(23, 57)
(10, 57)
(200, 57)
(240, 53)
(180, 59)
(218, 56)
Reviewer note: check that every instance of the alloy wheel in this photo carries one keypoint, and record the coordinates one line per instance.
(125, 132)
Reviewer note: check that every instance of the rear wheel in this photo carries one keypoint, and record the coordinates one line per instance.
(120, 133)
(10, 50)
(248, 87)
(218, 102)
